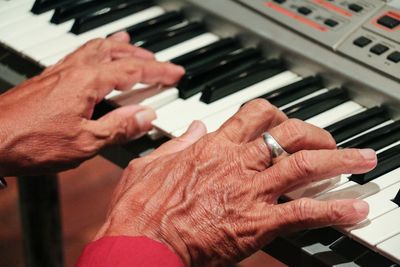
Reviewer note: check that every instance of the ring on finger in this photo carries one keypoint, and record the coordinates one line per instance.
(276, 150)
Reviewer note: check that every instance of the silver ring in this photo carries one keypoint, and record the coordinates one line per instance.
(276, 150)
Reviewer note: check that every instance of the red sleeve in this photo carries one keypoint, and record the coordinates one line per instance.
(122, 251)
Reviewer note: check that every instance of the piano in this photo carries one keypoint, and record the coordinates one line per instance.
(332, 63)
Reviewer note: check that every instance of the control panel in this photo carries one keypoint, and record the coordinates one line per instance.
(377, 42)
(365, 30)
(328, 22)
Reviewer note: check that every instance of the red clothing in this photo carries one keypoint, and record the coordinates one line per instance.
(123, 251)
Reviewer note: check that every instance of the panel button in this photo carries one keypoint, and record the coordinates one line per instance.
(379, 49)
(389, 22)
(331, 23)
(355, 7)
(362, 41)
(304, 10)
(280, 1)
(394, 57)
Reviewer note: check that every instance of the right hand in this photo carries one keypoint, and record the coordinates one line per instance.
(213, 198)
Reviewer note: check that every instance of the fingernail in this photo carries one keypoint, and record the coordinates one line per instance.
(193, 126)
(178, 68)
(368, 154)
(144, 119)
(361, 207)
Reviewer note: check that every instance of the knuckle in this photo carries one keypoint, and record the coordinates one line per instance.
(294, 129)
(95, 43)
(303, 166)
(333, 212)
(261, 105)
(302, 209)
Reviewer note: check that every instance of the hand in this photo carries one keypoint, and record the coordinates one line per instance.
(213, 198)
(46, 122)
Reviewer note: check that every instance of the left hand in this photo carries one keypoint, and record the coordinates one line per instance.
(46, 123)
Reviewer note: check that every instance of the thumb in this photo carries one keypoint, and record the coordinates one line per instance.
(123, 124)
(195, 131)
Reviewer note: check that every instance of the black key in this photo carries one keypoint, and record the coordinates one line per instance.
(294, 91)
(358, 123)
(348, 248)
(171, 37)
(397, 198)
(195, 80)
(41, 6)
(373, 259)
(387, 161)
(79, 8)
(208, 53)
(108, 14)
(155, 25)
(316, 105)
(377, 139)
(263, 70)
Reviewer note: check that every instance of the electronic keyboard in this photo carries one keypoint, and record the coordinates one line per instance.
(332, 63)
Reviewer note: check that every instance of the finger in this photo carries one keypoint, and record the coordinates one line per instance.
(120, 37)
(105, 50)
(195, 131)
(293, 135)
(308, 166)
(122, 125)
(124, 73)
(251, 121)
(308, 213)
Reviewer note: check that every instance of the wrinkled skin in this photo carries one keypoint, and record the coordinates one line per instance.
(212, 198)
(46, 121)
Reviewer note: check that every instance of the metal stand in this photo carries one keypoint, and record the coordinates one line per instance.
(41, 223)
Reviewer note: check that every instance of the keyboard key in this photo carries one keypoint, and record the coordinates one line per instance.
(292, 92)
(41, 6)
(208, 53)
(390, 248)
(170, 37)
(380, 229)
(394, 57)
(78, 8)
(155, 25)
(376, 139)
(263, 70)
(358, 123)
(317, 105)
(194, 81)
(108, 14)
(387, 161)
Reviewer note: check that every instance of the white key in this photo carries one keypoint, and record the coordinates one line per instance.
(15, 14)
(70, 41)
(391, 248)
(317, 188)
(40, 35)
(6, 5)
(355, 190)
(380, 203)
(48, 61)
(27, 24)
(186, 47)
(181, 113)
(380, 229)
(335, 114)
